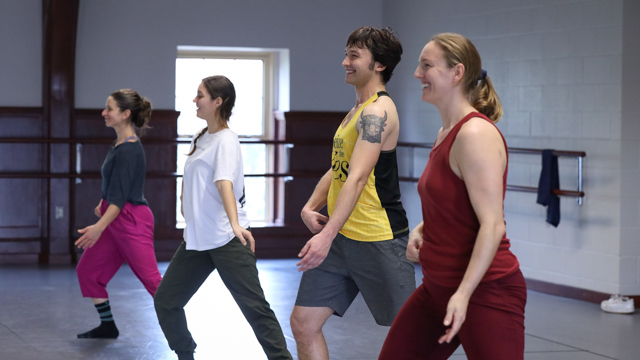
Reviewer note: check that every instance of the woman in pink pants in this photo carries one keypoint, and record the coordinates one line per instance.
(125, 229)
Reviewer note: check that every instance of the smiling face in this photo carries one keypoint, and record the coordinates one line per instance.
(359, 66)
(206, 107)
(436, 77)
(113, 117)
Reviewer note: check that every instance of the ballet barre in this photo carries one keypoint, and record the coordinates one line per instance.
(78, 174)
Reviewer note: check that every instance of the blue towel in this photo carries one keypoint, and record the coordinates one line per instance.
(549, 181)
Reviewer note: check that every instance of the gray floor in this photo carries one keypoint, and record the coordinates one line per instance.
(41, 311)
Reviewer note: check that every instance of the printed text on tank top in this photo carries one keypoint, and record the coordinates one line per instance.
(378, 214)
(339, 166)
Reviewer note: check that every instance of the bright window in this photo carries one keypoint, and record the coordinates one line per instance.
(251, 119)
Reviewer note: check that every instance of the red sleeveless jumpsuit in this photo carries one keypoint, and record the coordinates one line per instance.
(494, 325)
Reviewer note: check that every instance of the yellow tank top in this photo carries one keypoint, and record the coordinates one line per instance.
(371, 219)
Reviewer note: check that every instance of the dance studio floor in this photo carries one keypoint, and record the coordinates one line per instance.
(41, 311)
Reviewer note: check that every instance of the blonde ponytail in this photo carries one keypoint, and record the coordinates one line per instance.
(457, 49)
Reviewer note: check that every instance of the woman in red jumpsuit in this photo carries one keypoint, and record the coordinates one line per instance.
(473, 292)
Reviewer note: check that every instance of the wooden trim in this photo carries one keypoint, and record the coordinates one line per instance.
(572, 292)
(15, 111)
(512, 150)
(59, 27)
(20, 259)
(565, 153)
(20, 240)
(558, 192)
(167, 117)
(149, 175)
(145, 139)
(20, 227)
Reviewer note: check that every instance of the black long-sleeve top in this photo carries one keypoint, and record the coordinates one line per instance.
(123, 173)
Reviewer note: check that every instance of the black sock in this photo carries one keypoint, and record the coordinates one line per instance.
(107, 328)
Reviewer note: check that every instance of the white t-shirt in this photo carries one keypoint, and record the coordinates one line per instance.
(217, 157)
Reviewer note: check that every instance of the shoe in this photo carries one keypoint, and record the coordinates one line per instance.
(185, 355)
(618, 304)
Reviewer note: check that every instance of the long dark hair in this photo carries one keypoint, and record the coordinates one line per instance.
(218, 86)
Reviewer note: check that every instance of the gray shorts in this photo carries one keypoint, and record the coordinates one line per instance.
(380, 270)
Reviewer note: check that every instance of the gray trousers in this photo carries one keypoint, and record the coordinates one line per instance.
(236, 265)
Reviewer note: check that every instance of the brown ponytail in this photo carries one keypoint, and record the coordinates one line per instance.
(484, 98)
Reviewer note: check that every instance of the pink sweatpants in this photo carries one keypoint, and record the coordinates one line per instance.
(128, 238)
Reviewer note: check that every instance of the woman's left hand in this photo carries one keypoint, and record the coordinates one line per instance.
(242, 234)
(456, 314)
(90, 236)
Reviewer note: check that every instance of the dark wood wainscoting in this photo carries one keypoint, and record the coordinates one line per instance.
(311, 132)
(160, 189)
(572, 292)
(24, 200)
(23, 206)
(27, 182)
(312, 136)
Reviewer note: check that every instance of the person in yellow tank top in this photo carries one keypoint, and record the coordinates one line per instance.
(361, 246)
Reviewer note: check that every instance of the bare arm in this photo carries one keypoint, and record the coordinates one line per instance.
(415, 243)
(319, 197)
(310, 215)
(374, 128)
(182, 193)
(478, 156)
(225, 189)
(91, 233)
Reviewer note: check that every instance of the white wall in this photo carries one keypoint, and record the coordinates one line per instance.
(21, 53)
(557, 66)
(630, 149)
(133, 44)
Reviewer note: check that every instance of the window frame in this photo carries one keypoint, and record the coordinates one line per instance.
(276, 100)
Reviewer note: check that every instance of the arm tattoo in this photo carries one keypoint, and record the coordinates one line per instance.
(372, 127)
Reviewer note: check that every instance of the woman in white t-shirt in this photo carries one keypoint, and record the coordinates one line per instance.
(217, 233)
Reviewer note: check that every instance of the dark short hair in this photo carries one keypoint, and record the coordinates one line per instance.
(383, 45)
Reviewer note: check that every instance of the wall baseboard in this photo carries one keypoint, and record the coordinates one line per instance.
(573, 292)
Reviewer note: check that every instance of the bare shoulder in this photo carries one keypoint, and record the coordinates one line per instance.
(479, 130)
(378, 121)
(477, 140)
(478, 147)
(383, 105)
